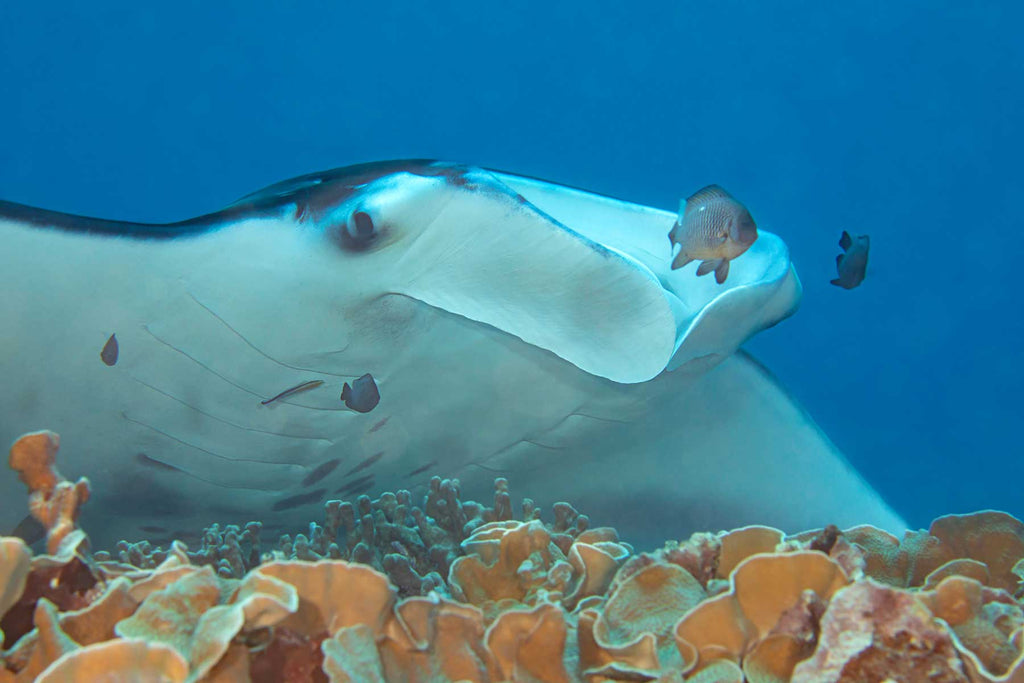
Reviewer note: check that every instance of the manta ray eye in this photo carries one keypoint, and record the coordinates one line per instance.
(363, 224)
(359, 230)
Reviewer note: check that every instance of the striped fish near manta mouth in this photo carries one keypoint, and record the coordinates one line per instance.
(514, 327)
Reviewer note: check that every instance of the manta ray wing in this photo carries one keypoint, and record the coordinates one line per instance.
(690, 452)
(514, 327)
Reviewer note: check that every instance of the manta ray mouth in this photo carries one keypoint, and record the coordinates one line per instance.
(712, 320)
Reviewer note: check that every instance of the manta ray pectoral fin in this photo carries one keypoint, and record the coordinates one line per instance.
(716, 449)
(491, 256)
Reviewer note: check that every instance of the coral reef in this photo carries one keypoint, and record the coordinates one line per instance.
(388, 590)
(415, 546)
(53, 501)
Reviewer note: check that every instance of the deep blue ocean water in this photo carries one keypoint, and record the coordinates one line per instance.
(900, 120)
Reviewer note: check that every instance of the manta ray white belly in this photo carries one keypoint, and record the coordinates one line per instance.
(174, 435)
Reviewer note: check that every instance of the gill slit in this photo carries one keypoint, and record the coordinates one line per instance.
(198, 448)
(261, 351)
(235, 384)
(228, 422)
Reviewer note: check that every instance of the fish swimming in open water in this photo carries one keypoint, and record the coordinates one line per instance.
(852, 264)
(713, 228)
(522, 329)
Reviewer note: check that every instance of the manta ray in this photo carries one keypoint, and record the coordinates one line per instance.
(510, 327)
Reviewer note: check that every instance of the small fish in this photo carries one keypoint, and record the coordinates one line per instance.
(147, 461)
(714, 228)
(422, 468)
(852, 265)
(320, 472)
(305, 386)
(365, 463)
(356, 485)
(109, 352)
(300, 499)
(363, 396)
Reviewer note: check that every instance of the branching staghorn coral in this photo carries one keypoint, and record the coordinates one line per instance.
(415, 545)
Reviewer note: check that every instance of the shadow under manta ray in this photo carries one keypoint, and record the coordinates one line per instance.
(514, 328)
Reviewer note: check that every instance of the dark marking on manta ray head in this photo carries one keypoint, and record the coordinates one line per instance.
(379, 424)
(365, 463)
(422, 468)
(459, 176)
(300, 499)
(312, 196)
(356, 485)
(109, 352)
(363, 395)
(314, 193)
(321, 471)
(478, 180)
(454, 173)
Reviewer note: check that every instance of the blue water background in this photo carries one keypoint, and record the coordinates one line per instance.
(897, 119)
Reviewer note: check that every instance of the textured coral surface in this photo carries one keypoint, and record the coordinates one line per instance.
(449, 590)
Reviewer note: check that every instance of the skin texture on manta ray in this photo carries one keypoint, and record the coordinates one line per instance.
(513, 327)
